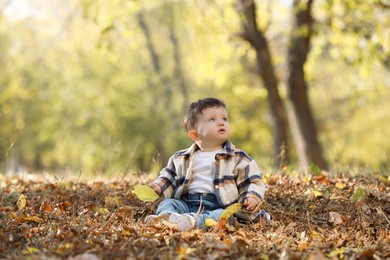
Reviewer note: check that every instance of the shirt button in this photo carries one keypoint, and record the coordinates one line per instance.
(216, 187)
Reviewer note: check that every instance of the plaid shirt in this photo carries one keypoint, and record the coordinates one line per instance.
(237, 176)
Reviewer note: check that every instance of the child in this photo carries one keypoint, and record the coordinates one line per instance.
(199, 182)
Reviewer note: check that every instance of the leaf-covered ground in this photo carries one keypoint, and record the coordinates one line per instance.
(313, 218)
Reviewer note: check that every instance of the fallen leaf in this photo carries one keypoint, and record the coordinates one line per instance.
(21, 203)
(335, 218)
(222, 223)
(317, 193)
(303, 246)
(359, 195)
(103, 211)
(145, 193)
(209, 222)
(125, 233)
(30, 251)
(340, 185)
(322, 179)
(337, 252)
(113, 201)
(48, 208)
(24, 218)
(229, 211)
(183, 251)
(64, 247)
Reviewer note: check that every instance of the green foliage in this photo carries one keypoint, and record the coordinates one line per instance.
(314, 170)
(359, 195)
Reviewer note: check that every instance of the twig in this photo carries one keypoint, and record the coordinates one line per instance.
(380, 209)
(308, 221)
(109, 220)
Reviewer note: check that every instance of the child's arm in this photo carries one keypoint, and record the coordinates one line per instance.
(251, 204)
(156, 188)
(166, 181)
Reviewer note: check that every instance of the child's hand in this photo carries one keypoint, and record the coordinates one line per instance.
(251, 204)
(156, 188)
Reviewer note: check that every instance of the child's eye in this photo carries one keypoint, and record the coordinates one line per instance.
(225, 119)
(212, 119)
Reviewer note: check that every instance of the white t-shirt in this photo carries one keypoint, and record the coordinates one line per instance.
(203, 172)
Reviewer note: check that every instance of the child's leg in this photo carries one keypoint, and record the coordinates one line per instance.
(175, 211)
(201, 218)
(168, 206)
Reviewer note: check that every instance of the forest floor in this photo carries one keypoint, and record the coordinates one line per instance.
(314, 217)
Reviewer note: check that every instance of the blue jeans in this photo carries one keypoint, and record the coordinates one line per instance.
(190, 204)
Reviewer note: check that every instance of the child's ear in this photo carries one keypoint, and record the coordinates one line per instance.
(193, 135)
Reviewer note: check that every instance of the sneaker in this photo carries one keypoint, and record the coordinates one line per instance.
(264, 214)
(151, 218)
(183, 221)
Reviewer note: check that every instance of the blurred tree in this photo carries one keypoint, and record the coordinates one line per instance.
(301, 116)
(264, 60)
(302, 122)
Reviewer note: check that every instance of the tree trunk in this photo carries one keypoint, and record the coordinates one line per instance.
(256, 38)
(300, 115)
(178, 70)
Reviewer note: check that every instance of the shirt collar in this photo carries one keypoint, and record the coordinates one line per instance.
(227, 148)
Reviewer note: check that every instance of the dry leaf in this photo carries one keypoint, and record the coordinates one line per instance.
(317, 193)
(209, 222)
(21, 203)
(229, 211)
(145, 193)
(103, 211)
(48, 208)
(303, 245)
(30, 251)
(359, 195)
(24, 218)
(340, 185)
(112, 201)
(335, 218)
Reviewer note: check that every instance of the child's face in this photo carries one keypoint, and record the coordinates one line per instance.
(212, 128)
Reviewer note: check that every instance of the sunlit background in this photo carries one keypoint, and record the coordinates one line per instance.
(100, 87)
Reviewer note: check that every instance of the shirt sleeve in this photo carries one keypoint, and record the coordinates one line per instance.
(250, 181)
(250, 184)
(167, 179)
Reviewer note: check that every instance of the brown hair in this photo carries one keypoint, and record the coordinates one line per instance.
(196, 108)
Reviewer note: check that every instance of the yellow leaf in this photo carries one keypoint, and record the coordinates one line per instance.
(103, 211)
(209, 222)
(145, 193)
(64, 247)
(30, 251)
(314, 234)
(229, 211)
(317, 193)
(183, 251)
(125, 233)
(337, 252)
(21, 203)
(340, 185)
